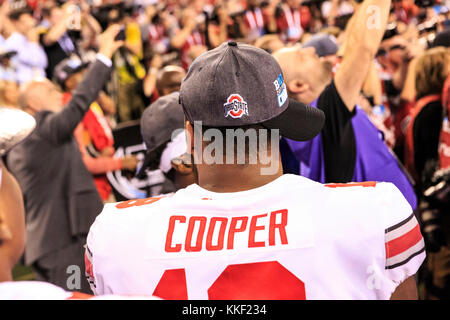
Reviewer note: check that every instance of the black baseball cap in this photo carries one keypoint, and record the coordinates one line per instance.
(66, 68)
(158, 122)
(237, 84)
(7, 53)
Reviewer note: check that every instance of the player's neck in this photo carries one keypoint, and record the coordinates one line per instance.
(234, 178)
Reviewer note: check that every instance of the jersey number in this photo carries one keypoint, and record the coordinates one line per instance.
(249, 281)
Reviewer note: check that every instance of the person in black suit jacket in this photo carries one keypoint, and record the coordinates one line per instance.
(61, 201)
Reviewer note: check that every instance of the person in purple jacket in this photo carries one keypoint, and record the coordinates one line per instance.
(349, 148)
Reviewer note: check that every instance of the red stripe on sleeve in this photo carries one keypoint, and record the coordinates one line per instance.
(88, 266)
(80, 296)
(352, 184)
(403, 243)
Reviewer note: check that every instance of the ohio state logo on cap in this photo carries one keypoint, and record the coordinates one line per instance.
(235, 106)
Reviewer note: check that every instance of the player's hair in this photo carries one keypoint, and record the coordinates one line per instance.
(236, 147)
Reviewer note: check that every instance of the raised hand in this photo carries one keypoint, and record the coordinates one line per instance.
(107, 43)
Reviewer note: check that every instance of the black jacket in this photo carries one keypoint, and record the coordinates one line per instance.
(61, 200)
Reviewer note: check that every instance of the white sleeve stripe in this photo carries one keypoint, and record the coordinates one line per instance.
(88, 268)
(398, 225)
(401, 230)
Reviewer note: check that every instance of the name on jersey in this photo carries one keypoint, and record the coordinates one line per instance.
(199, 233)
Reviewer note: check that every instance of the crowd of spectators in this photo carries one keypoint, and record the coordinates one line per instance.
(395, 78)
(36, 36)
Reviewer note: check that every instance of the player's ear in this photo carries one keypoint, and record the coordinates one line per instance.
(297, 86)
(5, 233)
(189, 129)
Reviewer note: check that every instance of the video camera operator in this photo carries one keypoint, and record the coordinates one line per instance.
(129, 72)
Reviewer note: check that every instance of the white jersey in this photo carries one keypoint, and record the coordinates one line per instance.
(32, 290)
(38, 290)
(290, 239)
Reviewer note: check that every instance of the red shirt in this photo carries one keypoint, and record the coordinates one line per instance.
(93, 130)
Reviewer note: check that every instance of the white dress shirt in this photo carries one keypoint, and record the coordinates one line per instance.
(30, 59)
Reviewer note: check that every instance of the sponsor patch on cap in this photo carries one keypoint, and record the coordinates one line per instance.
(280, 87)
(235, 106)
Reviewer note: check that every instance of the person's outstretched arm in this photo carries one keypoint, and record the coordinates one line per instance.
(363, 36)
(60, 126)
(57, 31)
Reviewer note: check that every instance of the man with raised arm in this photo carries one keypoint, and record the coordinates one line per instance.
(348, 147)
(61, 201)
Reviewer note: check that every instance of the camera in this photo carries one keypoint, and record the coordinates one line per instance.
(113, 13)
(121, 35)
(436, 203)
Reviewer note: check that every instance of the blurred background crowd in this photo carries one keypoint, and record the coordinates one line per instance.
(405, 83)
(162, 38)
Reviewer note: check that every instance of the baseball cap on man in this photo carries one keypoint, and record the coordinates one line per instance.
(66, 68)
(236, 85)
(324, 44)
(158, 123)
